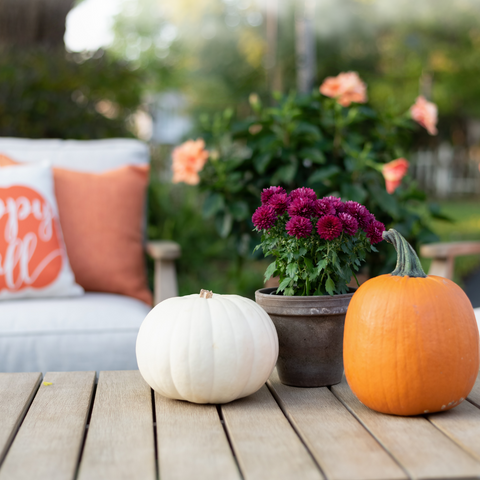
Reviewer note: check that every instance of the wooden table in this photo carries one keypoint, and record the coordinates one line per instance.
(66, 426)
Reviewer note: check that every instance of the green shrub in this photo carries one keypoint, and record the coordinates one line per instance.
(311, 141)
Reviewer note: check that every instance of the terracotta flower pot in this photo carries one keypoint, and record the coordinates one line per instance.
(310, 335)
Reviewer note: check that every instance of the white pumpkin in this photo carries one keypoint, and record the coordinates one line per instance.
(207, 348)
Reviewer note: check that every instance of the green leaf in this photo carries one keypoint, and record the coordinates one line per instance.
(213, 204)
(302, 251)
(305, 128)
(261, 162)
(223, 224)
(334, 257)
(330, 286)
(284, 284)
(270, 270)
(292, 269)
(313, 154)
(323, 174)
(285, 174)
(321, 265)
(239, 210)
(353, 192)
(308, 264)
(384, 200)
(437, 213)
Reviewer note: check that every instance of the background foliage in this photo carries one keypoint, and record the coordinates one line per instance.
(312, 141)
(47, 93)
(214, 52)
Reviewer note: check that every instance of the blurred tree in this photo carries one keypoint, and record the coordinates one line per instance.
(27, 23)
(46, 92)
(53, 94)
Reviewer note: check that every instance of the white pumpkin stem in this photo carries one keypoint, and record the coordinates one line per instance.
(206, 293)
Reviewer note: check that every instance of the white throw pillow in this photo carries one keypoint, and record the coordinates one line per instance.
(33, 258)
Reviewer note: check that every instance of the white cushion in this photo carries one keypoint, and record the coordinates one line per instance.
(477, 315)
(97, 331)
(93, 156)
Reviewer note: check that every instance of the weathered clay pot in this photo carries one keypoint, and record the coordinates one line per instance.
(310, 335)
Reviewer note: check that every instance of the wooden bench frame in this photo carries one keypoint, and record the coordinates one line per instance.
(444, 254)
(164, 254)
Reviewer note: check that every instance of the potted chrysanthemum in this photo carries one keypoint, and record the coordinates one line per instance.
(318, 245)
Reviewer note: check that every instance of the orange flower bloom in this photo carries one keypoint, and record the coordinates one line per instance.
(393, 172)
(346, 87)
(187, 160)
(425, 113)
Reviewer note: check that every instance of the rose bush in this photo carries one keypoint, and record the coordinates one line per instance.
(312, 140)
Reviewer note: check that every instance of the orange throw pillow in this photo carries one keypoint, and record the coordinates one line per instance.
(102, 218)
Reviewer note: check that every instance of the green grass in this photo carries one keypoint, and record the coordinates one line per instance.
(465, 227)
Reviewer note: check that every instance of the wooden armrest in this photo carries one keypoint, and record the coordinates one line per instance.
(444, 254)
(163, 249)
(453, 249)
(165, 280)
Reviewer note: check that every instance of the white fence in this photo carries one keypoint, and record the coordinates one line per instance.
(448, 171)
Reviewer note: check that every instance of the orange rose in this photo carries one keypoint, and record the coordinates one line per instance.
(393, 172)
(346, 88)
(425, 113)
(187, 160)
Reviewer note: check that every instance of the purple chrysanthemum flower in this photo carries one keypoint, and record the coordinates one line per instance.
(268, 192)
(299, 227)
(264, 217)
(329, 227)
(361, 213)
(352, 207)
(323, 207)
(301, 193)
(350, 224)
(374, 231)
(301, 206)
(279, 202)
(336, 203)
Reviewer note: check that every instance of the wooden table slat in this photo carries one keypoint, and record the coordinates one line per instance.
(264, 442)
(341, 445)
(16, 394)
(192, 442)
(49, 441)
(423, 450)
(474, 396)
(120, 441)
(462, 425)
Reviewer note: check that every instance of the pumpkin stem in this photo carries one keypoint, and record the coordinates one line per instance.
(206, 293)
(408, 263)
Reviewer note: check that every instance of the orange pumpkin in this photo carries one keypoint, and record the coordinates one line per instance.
(411, 343)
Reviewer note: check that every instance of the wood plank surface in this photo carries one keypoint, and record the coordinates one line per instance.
(474, 395)
(120, 441)
(462, 425)
(192, 443)
(422, 450)
(264, 442)
(49, 441)
(341, 445)
(16, 393)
